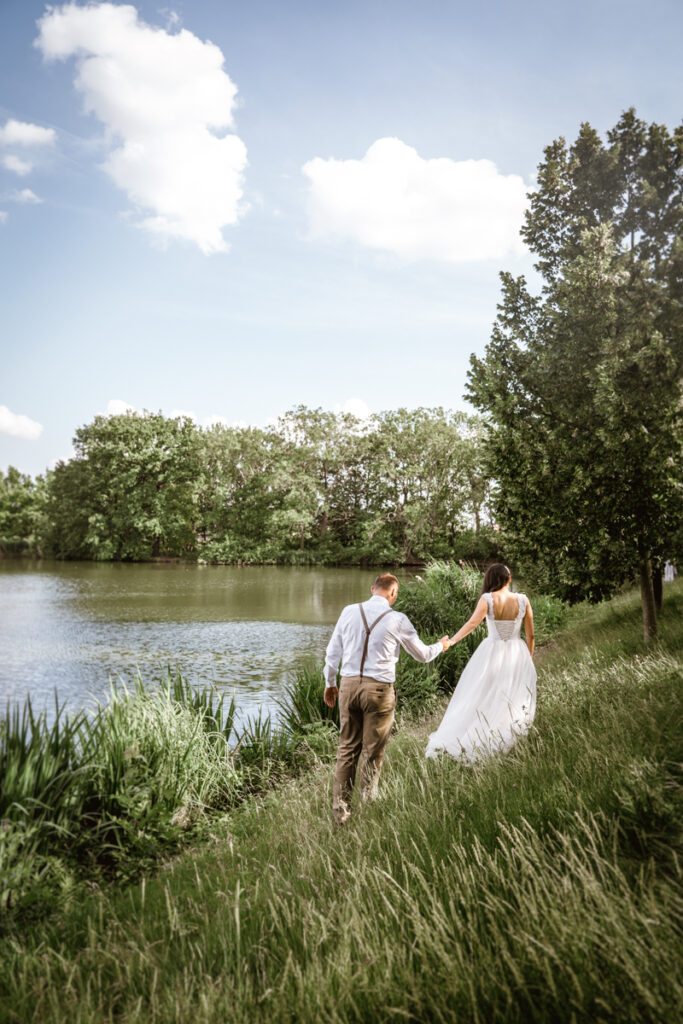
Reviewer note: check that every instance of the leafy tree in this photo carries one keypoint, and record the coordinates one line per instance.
(425, 459)
(307, 463)
(131, 488)
(237, 498)
(22, 511)
(582, 383)
(315, 486)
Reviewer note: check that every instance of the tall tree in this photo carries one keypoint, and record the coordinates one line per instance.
(582, 383)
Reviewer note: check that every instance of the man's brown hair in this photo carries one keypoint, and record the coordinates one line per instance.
(385, 581)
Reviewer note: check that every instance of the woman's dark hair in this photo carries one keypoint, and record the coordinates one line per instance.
(496, 576)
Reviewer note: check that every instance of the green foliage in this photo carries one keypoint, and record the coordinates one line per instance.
(315, 487)
(540, 886)
(109, 789)
(302, 704)
(22, 512)
(130, 490)
(441, 600)
(478, 547)
(582, 382)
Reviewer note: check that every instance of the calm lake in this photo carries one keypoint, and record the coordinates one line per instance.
(74, 626)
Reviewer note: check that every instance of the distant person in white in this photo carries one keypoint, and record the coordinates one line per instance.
(367, 640)
(669, 571)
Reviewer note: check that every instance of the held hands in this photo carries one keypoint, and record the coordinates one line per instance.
(330, 696)
(445, 642)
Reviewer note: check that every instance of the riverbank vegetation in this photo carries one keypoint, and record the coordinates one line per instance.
(315, 487)
(543, 885)
(103, 792)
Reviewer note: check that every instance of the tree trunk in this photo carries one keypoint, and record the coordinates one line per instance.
(647, 596)
(657, 587)
(156, 547)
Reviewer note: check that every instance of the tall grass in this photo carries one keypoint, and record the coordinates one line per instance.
(106, 793)
(541, 886)
(107, 790)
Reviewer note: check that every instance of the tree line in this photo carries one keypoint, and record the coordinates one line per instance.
(401, 487)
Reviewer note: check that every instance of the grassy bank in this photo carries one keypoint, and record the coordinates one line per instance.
(91, 797)
(543, 886)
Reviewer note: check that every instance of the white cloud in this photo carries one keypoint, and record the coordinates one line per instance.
(162, 96)
(117, 407)
(219, 421)
(16, 164)
(3, 216)
(16, 425)
(206, 421)
(356, 407)
(439, 209)
(19, 133)
(177, 414)
(23, 195)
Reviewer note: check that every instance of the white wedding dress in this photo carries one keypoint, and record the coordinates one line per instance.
(494, 702)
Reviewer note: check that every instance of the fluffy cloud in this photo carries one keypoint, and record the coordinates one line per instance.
(19, 133)
(23, 195)
(207, 421)
(117, 407)
(16, 164)
(182, 414)
(395, 200)
(3, 216)
(220, 421)
(162, 97)
(356, 407)
(16, 425)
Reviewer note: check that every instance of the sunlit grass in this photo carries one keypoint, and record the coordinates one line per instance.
(542, 886)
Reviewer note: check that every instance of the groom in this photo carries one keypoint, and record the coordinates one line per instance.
(367, 640)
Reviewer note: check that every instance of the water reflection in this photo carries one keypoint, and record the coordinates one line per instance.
(74, 626)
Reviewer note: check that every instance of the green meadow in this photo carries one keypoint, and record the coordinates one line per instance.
(541, 886)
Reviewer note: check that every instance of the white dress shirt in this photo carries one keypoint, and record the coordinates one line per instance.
(386, 639)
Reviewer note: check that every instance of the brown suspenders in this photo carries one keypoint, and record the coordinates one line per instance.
(368, 631)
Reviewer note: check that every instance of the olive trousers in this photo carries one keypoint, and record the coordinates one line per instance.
(366, 712)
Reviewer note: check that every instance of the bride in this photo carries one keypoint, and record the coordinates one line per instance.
(495, 700)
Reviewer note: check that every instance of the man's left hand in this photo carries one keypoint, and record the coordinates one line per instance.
(330, 696)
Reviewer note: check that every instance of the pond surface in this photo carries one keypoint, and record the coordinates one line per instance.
(75, 626)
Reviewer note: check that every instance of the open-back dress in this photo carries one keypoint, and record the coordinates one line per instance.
(494, 702)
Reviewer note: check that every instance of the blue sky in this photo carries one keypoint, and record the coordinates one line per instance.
(330, 233)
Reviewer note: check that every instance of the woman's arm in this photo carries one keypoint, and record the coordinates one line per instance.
(475, 619)
(529, 628)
